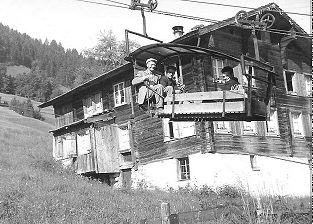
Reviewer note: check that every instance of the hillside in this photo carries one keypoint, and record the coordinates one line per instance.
(35, 189)
(42, 70)
(17, 70)
(47, 113)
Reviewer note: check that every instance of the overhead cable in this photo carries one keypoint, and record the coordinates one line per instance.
(100, 3)
(283, 32)
(242, 7)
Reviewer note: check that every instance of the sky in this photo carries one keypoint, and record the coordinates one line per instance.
(77, 24)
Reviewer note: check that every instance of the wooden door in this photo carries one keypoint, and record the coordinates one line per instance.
(106, 147)
(126, 178)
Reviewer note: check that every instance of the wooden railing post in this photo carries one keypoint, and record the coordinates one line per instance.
(165, 213)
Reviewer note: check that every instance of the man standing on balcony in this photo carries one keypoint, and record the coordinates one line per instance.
(148, 83)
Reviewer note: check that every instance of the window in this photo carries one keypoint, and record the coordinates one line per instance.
(297, 124)
(119, 94)
(272, 128)
(222, 127)
(89, 106)
(249, 70)
(217, 65)
(290, 82)
(183, 169)
(176, 130)
(93, 105)
(249, 128)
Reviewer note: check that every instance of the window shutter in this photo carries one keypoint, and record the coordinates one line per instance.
(123, 134)
(83, 143)
(307, 123)
(54, 142)
(238, 73)
(128, 94)
(98, 101)
(297, 124)
(300, 84)
(295, 83)
(85, 108)
(166, 130)
(186, 129)
(176, 131)
(59, 148)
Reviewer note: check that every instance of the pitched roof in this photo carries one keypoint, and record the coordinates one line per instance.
(87, 85)
(271, 7)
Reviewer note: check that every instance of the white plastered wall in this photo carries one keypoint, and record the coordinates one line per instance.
(275, 177)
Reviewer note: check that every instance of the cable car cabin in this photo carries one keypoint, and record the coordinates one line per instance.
(249, 102)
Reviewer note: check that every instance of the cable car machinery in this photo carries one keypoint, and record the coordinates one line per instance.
(224, 105)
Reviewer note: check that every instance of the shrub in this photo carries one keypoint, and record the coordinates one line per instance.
(25, 108)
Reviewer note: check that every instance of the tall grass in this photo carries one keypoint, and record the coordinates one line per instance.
(35, 189)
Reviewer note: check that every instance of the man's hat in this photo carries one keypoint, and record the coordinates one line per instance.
(171, 67)
(229, 71)
(151, 59)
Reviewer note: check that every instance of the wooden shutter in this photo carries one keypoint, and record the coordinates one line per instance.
(98, 102)
(54, 146)
(83, 142)
(301, 84)
(307, 125)
(186, 129)
(238, 73)
(85, 108)
(106, 141)
(123, 134)
(166, 130)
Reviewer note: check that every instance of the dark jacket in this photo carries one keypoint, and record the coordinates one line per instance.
(231, 84)
(165, 81)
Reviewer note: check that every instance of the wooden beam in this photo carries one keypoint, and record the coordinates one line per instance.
(198, 108)
(213, 95)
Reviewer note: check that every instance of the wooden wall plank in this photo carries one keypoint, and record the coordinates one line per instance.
(214, 107)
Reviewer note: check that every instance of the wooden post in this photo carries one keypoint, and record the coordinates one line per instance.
(181, 78)
(165, 213)
(130, 125)
(224, 96)
(256, 46)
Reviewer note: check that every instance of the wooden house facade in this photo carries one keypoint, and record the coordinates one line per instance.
(101, 130)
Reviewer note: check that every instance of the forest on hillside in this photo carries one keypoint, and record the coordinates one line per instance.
(53, 69)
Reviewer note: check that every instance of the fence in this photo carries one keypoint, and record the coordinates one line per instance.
(232, 214)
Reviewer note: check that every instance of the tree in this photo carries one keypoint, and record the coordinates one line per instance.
(8, 84)
(109, 52)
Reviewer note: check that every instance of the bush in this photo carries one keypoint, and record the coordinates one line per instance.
(25, 108)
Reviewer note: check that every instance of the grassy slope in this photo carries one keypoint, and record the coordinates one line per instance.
(35, 189)
(47, 112)
(17, 70)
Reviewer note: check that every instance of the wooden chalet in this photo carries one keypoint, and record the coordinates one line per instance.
(101, 131)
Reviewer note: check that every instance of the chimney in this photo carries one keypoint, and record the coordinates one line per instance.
(178, 31)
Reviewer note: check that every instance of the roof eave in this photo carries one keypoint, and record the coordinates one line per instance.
(87, 85)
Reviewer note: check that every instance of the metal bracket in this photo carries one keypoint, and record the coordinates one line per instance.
(137, 5)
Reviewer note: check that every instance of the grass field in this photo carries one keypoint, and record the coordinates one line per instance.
(47, 112)
(35, 189)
